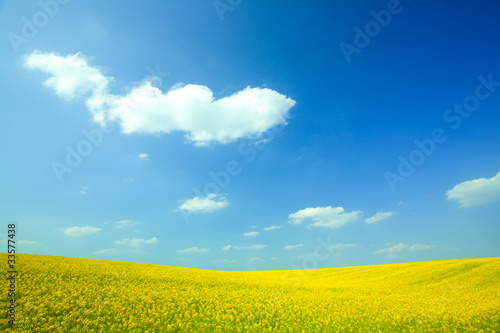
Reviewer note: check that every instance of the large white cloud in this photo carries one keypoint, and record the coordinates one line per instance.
(379, 217)
(80, 231)
(146, 109)
(476, 192)
(329, 217)
(209, 204)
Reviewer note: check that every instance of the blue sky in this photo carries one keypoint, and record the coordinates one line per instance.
(237, 135)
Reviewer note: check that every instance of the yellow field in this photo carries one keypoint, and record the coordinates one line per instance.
(58, 294)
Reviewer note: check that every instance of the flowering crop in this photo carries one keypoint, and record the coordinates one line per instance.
(59, 294)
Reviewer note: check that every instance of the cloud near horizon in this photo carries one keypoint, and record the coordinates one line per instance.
(192, 250)
(136, 242)
(251, 247)
(392, 252)
(80, 231)
(476, 192)
(328, 217)
(188, 108)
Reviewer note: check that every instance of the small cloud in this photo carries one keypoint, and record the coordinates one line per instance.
(143, 156)
(209, 204)
(224, 261)
(84, 190)
(136, 242)
(80, 231)
(125, 223)
(328, 217)
(417, 247)
(342, 246)
(400, 203)
(273, 227)
(251, 234)
(251, 247)
(193, 250)
(307, 255)
(394, 249)
(275, 258)
(379, 217)
(392, 252)
(184, 259)
(108, 251)
(255, 259)
(293, 247)
(476, 192)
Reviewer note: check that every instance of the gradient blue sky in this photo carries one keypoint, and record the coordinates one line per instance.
(320, 171)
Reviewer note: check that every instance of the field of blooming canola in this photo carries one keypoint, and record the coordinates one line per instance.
(59, 294)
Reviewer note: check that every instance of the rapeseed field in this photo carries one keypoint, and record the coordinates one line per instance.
(59, 294)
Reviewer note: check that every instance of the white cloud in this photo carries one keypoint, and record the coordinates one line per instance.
(146, 109)
(80, 231)
(111, 251)
(254, 259)
(125, 223)
(379, 217)
(393, 251)
(193, 250)
(342, 246)
(209, 204)
(84, 189)
(273, 227)
(251, 234)
(136, 242)
(184, 259)
(143, 156)
(275, 258)
(293, 247)
(251, 247)
(476, 192)
(329, 217)
(224, 261)
(417, 247)
(71, 76)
